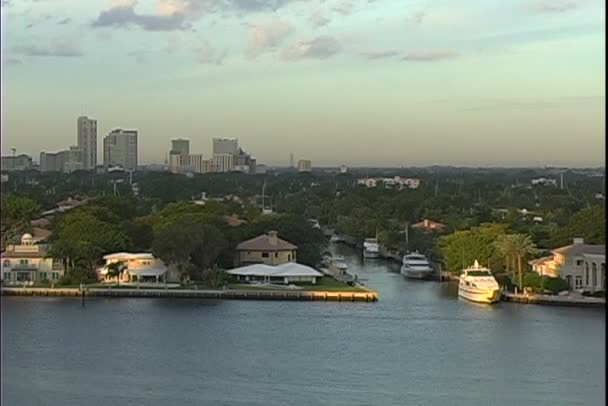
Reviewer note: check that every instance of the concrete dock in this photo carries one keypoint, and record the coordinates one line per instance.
(368, 296)
(576, 301)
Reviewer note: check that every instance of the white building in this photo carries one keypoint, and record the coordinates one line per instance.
(139, 267)
(398, 181)
(87, 141)
(29, 262)
(304, 165)
(52, 161)
(582, 265)
(544, 181)
(19, 162)
(120, 148)
(72, 159)
(223, 162)
(281, 274)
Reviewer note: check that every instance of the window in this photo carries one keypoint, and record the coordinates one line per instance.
(7, 262)
(578, 282)
(265, 255)
(587, 276)
(23, 261)
(579, 262)
(42, 275)
(55, 276)
(276, 254)
(7, 276)
(569, 280)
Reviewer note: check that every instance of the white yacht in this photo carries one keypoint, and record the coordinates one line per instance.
(416, 266)
(337, 265)
(371, 248)
(478, 285)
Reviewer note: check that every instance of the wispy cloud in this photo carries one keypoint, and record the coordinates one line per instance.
(57, 49)
(318, 48)
(64, 21)
(206, 54)
(380, 54)
(171, 16)
(267, 36)
(554, 6)
(429, 55)
(318, 19)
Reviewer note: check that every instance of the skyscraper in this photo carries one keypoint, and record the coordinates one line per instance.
(225, 146)
(180, 146)
(120, 148)
(87, 141)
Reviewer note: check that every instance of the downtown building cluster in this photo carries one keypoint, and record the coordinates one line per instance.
(227, 157)
(119, 150)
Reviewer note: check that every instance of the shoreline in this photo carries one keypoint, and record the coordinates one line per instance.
(303, 295)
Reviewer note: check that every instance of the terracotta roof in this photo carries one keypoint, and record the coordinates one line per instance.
(266, 242)
(541, 260)
(580, 249)
(234, 220)
(40, 234)
(41, 222)
(428, 224)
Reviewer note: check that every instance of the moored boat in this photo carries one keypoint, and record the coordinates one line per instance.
(371, 248)
(416, 266)
(477, 284)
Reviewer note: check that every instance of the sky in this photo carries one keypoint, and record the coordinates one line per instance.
(354, 82)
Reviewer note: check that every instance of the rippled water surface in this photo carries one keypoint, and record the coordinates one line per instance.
(419, 345)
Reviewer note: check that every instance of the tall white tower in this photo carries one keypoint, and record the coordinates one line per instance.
(87, 141)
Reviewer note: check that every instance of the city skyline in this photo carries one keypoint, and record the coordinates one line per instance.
(356, 82)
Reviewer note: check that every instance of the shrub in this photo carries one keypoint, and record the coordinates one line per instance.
(504, 280)
(531, 280)
(555, 285)
(597, 293)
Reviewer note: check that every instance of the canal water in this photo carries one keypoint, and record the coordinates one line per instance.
(419, 345)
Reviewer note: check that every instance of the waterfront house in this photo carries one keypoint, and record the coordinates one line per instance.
(582, 265)
(28, 262)
(138, 267)
(280, 274)
(266, 249)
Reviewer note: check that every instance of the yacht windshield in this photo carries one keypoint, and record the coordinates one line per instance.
(479, 273)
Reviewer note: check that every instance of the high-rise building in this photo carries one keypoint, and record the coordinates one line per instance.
(225, 146)
(304, 165)
(291, 165)
(180, 146)
(52, 161)
(120, 148)
(87, 141)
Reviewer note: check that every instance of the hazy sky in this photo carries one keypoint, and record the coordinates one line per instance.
(356, 82)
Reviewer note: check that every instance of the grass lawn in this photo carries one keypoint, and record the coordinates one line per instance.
(325, 284)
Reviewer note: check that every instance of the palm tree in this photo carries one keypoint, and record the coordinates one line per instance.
(523, 248)
(504, 246)
(116, 269)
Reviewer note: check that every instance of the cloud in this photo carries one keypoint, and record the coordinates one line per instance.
(207, 55)
(318, 19)
(554, 6)
(429, 55)
(417, 18)
(344, 7)
(57, 49)
(267, 36)
(172, 15)
(65, 21)
(318, 48)
(12, 61)
(380, 54)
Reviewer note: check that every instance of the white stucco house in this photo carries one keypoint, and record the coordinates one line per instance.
(287, 273)
(28, 262)
(582, 265)
(138, 267)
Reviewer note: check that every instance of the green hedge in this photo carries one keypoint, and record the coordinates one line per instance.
(555, 285)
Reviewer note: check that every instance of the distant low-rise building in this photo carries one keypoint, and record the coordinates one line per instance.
(266, 249)
(29, 262)
(397, 181)
(52, 161)
(304, 165)
(429, 225)
(280, 274)
(19, 162)
(582, 265)
(544, 181)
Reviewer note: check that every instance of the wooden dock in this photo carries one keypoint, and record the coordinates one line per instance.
(368, 296)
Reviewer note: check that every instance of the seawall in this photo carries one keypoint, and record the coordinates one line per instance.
(369, 296)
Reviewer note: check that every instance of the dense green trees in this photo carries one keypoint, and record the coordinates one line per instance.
(17, 212)
(589, 223)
